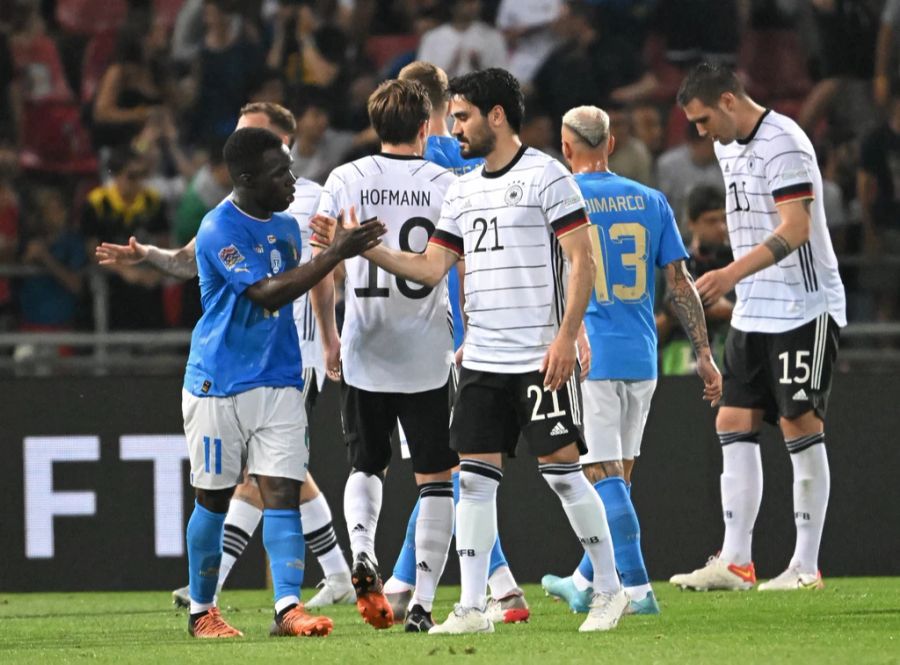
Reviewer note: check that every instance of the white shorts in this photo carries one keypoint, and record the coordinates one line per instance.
(264, 427)
(615, 413)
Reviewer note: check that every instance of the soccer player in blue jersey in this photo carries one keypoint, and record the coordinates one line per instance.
(242, 396)
(633, 231)
(507, 603)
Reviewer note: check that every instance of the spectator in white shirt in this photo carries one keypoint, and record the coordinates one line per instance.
(465, 43)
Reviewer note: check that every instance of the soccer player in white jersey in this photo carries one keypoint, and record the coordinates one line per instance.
(245, 508)
(783, 341)
(397, 350)
(516, 221)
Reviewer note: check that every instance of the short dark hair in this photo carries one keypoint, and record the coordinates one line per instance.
(309, 97)
(120, 157)
(244, 150)
(279, 116)
(492, 87)
(397, 109)
(707, 82)
(432, 78)
(703, 198)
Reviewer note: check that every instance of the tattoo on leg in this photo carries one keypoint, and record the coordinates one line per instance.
(602, 470)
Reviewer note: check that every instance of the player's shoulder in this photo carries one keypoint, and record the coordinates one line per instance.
(354, 170)
(304, 186)
(221, 220)
(775, 130)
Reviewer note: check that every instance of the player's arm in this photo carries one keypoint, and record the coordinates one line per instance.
(180, 263)
(791, 233)
(321, 296)
(559, 363)
(685, 302)
(427, 268)
(277, 291)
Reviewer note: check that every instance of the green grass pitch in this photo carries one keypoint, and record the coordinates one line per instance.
(852, 621)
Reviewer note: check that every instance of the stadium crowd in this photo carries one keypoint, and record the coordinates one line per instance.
(113, 116)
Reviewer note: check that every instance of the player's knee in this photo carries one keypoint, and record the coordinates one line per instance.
(248, 492)
(731, 419)
(370, 470)
(309, 490)
(805, 424)
(280, 493)
(565, 455)
(602, 470)
(215, 501)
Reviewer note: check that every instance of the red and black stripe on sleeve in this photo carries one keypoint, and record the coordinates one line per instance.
(447, 241)
(798, 192)
(570, 222)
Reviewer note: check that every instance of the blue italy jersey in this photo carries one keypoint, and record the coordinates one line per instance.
(633, 231)
(238, 345)
(444, 151)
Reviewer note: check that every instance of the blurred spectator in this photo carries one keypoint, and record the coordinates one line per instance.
(268, 87)
(9, 102)
(630, 158)
(9, 241)
(878, 189)
(885, 52)
(226, 67)
(680, 169)
(708, 250)
(169, 168)
(114, 212)
(208, 188)
(528, 28)
(319, 147)
(835, 211)
(591, 66)
(700, 30)
(647, 124)
(305, 50)
(847, 29)
(130, 92)
(424, 20)
(50, 301)
(464, 44)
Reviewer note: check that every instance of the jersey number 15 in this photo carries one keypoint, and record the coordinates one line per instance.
(634, 262)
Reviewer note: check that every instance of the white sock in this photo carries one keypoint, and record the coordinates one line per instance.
(812, 483)
(393, 585)
(742, 487)
(197, 608)
(476, 527)
(502, 583)
(580, 581)
(318, 531)
(285, 602)
(240, 523)
(638, 592)
(362, 505)
(586, 514)
(434, 529)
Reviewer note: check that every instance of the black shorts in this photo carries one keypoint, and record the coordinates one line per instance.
(369, 419)
(491, 410)
(784, 374)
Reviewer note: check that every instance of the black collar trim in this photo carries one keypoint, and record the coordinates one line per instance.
(506, 169)
(403, 157)
(752, 134)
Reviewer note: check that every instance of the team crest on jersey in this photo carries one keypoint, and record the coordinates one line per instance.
(230, 256)
(272, 239)
(514, 194)
(259, 249)
(275, 259)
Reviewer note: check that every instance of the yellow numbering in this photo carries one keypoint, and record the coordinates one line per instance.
(635, 261)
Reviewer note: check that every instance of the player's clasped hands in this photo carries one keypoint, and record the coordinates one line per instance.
(712, 380)
(328, 230)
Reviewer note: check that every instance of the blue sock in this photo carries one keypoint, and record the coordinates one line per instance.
(625, 531)
(405, 567)
(204, 545)
(283, 540)
(498, 559)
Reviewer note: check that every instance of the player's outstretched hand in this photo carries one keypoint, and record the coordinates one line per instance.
(109, 254)
(559, 363)
(713, 285)
(712, 380)
(352, 238)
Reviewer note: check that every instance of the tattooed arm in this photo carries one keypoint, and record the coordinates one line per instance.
(180, 263)
(685, 302)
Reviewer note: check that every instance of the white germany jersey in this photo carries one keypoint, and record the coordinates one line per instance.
(396, 335)
(774, 165)
(304, 206)
(506, 224)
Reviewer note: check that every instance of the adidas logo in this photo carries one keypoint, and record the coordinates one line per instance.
(727, 169)
(423, 566)
(800, 396)
(359, 528)
(558, 430)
